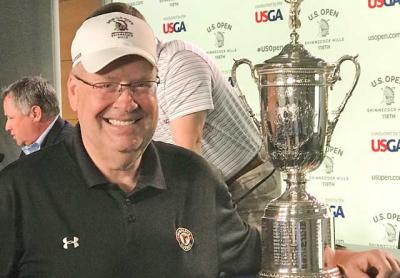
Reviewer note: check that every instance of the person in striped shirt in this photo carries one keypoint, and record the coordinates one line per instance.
(201, 111)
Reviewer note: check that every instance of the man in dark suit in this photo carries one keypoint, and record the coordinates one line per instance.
(32, 114)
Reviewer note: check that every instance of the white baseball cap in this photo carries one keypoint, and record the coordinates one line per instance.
(105, 38)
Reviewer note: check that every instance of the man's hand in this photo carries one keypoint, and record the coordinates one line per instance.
(373, 263)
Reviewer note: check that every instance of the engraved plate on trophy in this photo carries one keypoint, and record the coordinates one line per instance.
(294, 86)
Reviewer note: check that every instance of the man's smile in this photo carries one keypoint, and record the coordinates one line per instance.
(116, 122)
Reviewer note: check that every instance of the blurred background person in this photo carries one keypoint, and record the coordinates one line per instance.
(32, 110)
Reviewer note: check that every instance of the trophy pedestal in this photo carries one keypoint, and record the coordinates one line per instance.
(297, 235)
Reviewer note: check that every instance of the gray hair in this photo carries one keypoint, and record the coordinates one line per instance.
(30, 91)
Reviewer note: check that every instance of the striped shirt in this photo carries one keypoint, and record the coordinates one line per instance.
(191, 82)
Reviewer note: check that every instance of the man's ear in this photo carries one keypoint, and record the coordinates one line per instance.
(72, 92)
(36, 113)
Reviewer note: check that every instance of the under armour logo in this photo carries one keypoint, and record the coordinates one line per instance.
(67, 242)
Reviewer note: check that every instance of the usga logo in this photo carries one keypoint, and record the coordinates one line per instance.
(380, 3)
(265, 16)
(384, 145)
(174, 27)
(337, 211)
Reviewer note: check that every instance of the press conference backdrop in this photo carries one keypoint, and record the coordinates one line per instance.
(360, 177)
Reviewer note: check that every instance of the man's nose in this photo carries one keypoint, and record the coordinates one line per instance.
(7, 126)
(126, 99)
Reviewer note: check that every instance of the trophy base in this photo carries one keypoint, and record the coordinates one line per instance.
(330, 273)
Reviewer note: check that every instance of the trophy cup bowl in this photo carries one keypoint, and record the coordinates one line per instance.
(293, 86)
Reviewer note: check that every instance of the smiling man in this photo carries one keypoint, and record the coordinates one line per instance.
(110, 202)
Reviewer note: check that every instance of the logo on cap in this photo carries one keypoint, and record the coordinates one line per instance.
(184, 238)
(121, 25)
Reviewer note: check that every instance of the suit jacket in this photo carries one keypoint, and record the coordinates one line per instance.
(60, 130)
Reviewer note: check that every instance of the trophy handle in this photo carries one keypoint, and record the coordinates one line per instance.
(332, 79)
(241, 95)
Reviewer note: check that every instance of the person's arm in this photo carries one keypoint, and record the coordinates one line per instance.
(187, 131)
(186, 97)
(239, 244)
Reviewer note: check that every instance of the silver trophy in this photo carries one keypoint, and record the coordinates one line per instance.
(296, 228)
